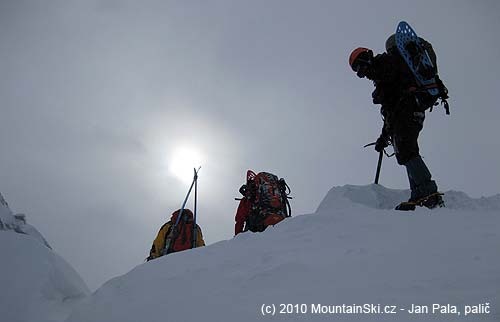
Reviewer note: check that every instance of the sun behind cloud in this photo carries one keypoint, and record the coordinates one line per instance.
(182, 161)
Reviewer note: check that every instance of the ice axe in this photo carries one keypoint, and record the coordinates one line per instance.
(379, 164)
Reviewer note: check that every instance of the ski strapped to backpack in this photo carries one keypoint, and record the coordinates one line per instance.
(174, 230)
(194, 234)
(268, 197)
(421, 59)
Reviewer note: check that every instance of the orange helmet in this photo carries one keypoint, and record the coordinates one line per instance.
(361, 53)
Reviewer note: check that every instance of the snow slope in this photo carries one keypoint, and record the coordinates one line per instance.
(35, 283)
(353, 250)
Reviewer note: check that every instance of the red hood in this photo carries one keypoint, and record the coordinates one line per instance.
(187, 212)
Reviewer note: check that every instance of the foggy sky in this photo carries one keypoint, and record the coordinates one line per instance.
(95, 95)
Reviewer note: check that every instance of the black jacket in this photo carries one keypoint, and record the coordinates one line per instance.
(395, 87)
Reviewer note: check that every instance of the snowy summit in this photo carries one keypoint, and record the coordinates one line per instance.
(353, 251)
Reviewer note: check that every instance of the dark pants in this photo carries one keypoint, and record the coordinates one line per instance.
(405, 130)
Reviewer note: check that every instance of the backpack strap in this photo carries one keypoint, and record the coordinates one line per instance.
(443, 94)
(289, 213)
(168, 251)
(285, 191)
(183, 231)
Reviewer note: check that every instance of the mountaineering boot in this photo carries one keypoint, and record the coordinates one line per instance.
(406, 206)
(431, 201)
(423, 188)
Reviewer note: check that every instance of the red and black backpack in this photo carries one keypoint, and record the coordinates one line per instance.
(268, 196)
(183, 234)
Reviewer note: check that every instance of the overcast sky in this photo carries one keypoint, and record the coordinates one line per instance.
(96, 97)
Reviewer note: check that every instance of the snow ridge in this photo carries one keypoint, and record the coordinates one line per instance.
(17, 223)
(354, 249)
(379, 197)
(36, 284)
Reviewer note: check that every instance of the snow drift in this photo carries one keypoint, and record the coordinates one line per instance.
(353, 250)
(36, 284)
(380, 197)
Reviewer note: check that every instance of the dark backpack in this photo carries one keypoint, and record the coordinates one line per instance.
(268, 196)
(391, 48)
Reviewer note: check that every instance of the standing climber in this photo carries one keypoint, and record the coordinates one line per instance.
(403, 104)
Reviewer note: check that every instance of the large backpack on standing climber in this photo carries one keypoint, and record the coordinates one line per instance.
(267, 199)
(421, 58)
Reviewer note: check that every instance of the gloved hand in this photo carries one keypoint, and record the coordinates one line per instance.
(381, 143)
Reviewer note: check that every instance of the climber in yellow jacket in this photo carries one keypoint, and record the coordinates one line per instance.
(182, 238)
